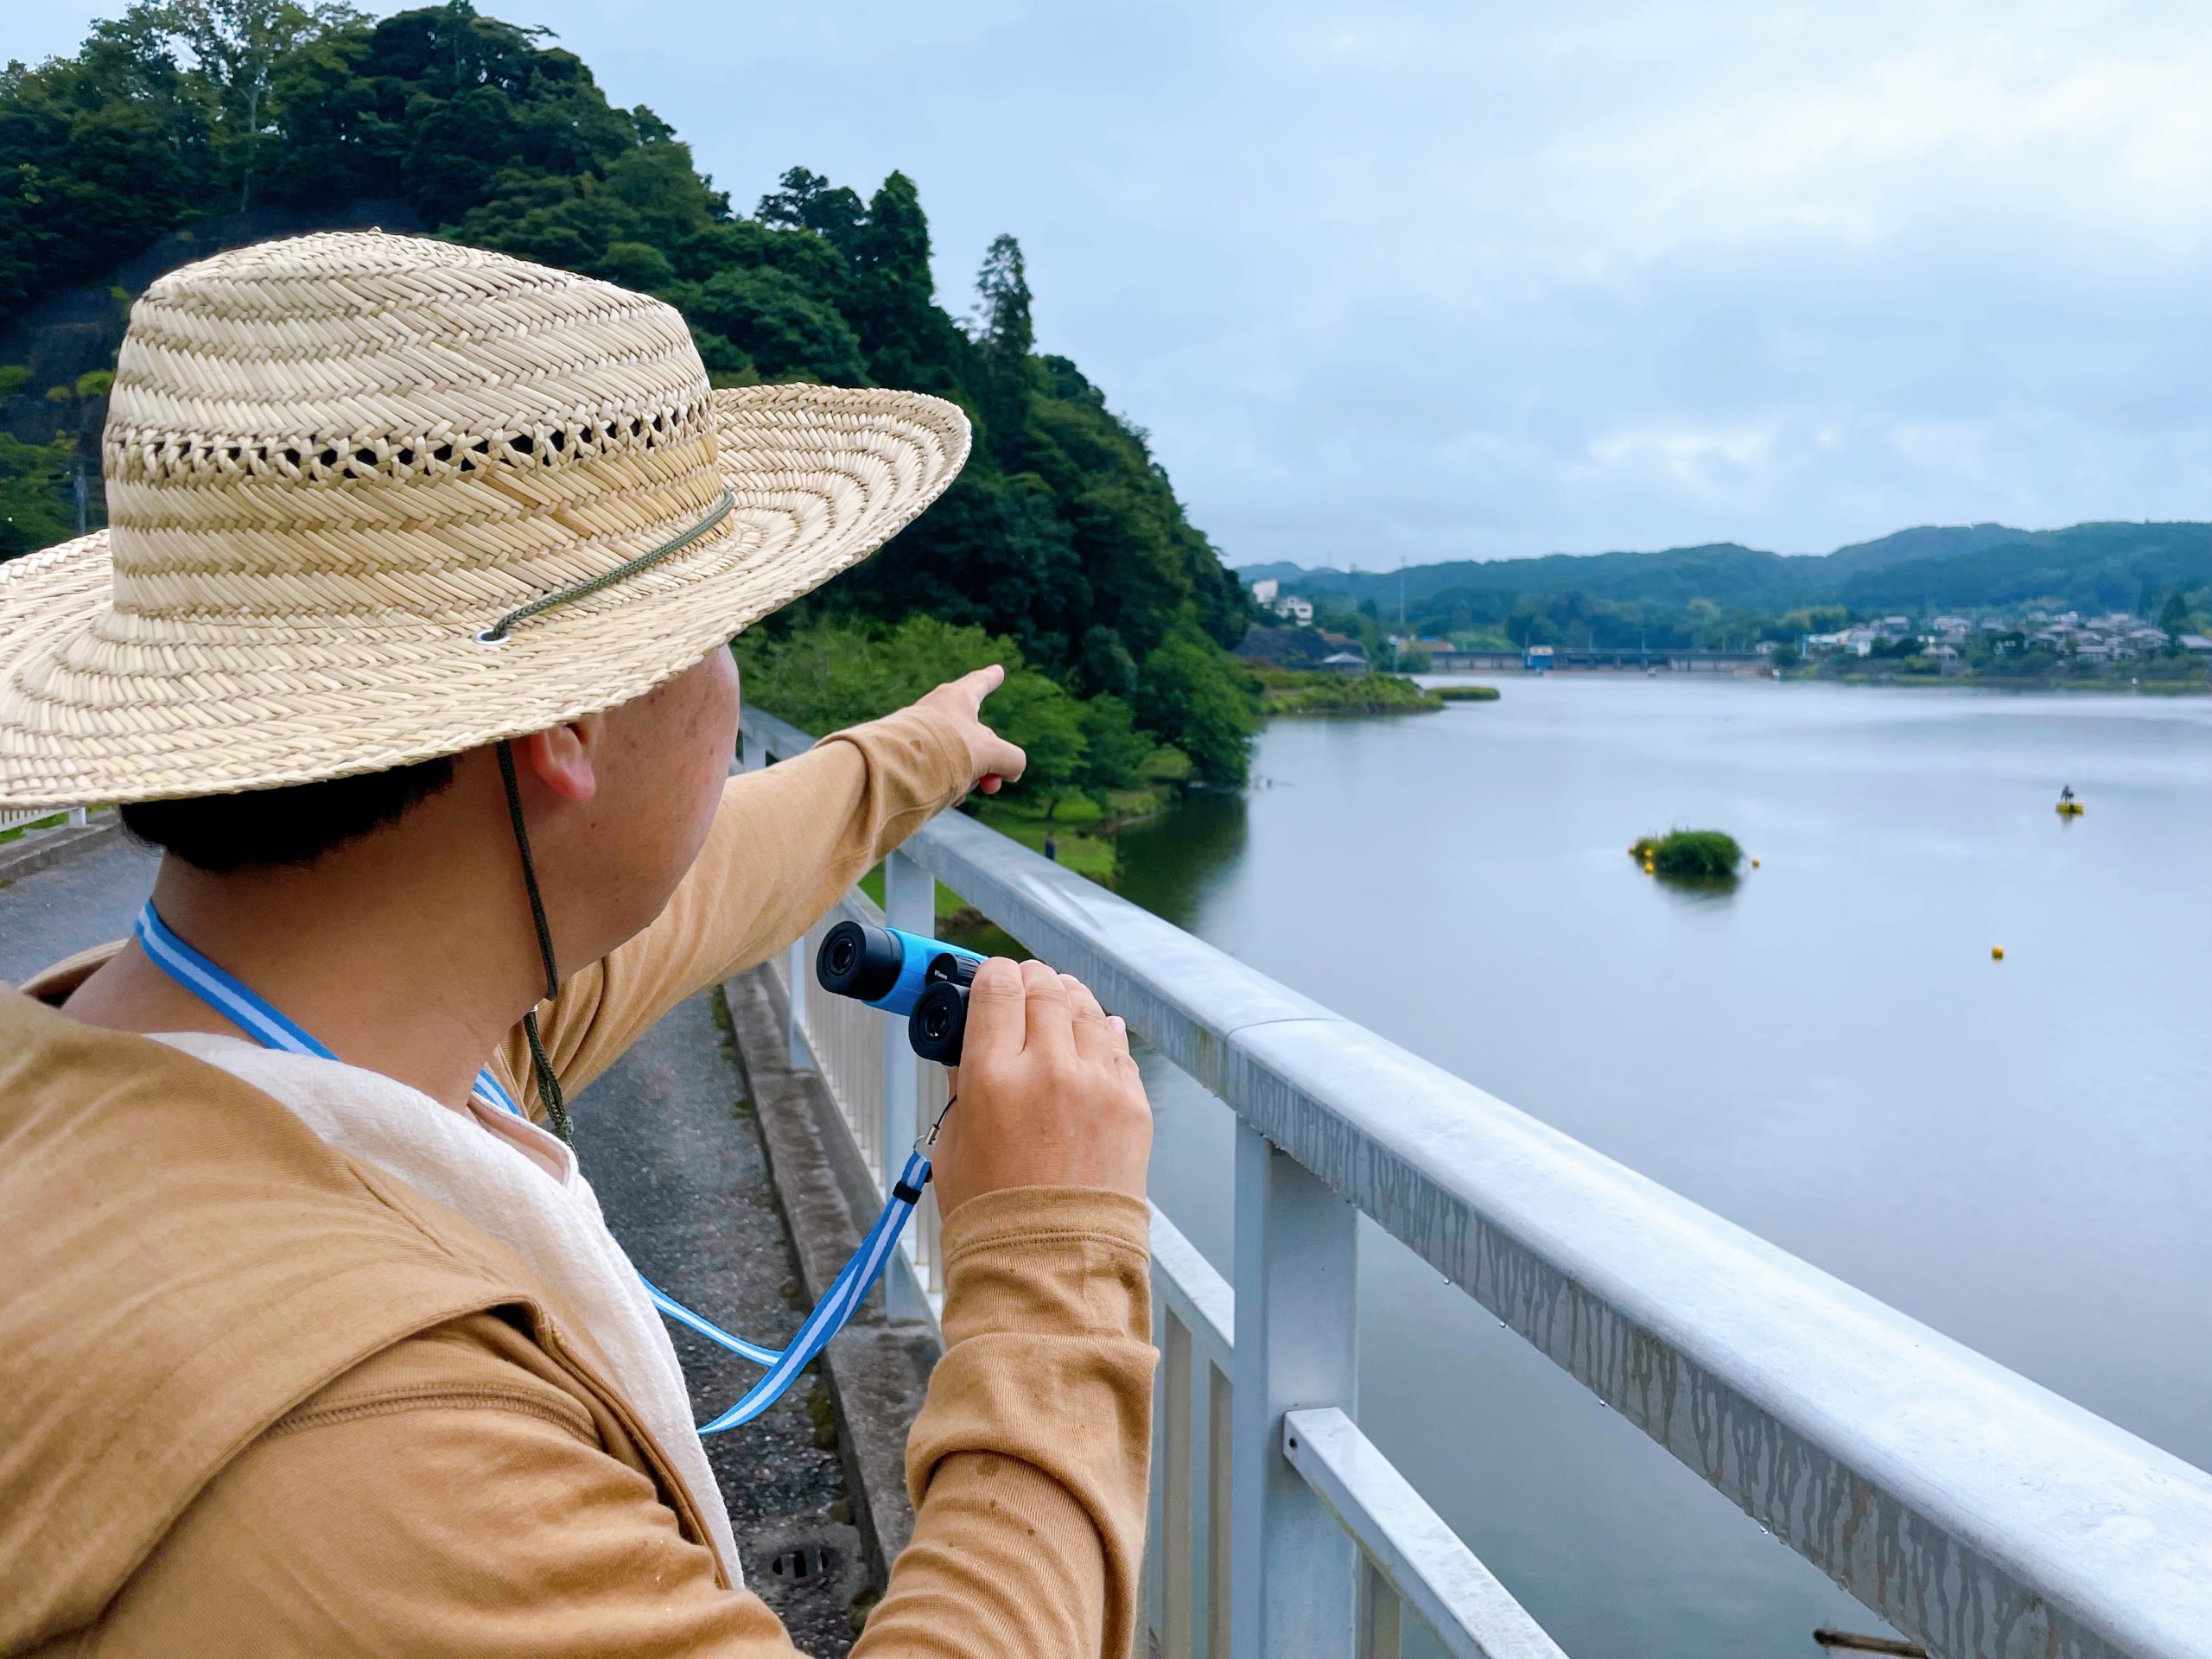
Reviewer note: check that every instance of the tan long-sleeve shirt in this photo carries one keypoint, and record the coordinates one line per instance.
(258, 1397)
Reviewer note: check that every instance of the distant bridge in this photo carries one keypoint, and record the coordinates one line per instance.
(1632, 658)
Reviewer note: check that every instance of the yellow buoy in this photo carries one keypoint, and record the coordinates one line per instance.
(1649, 870)
(1755, 863)
(1997, 953)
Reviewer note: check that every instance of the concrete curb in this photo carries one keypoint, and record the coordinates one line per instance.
(43, 847)
(878, 1370)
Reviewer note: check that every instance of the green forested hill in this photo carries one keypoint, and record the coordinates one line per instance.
(2100, 567)
(1924, 542)
(1064, 537)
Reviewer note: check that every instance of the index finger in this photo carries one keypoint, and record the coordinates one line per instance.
(996, 1016)
(979, 682)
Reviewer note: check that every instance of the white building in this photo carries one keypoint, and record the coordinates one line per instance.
(1294, 609)
(1264, 590)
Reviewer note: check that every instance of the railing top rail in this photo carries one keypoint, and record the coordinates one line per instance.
(1968, 1506)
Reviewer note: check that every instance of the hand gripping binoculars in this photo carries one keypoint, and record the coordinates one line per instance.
(924, 979)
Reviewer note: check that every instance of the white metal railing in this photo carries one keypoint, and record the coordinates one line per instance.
(1968, 1507)
(22, 817)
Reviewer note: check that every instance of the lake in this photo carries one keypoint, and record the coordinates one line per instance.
(2015, 1152)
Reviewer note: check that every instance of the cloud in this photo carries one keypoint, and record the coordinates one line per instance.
(1465, 278)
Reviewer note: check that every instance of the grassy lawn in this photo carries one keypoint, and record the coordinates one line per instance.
(47, 822)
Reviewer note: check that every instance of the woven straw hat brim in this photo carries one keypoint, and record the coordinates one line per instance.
(95, 707)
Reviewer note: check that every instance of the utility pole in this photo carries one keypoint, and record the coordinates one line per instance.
(82, 495)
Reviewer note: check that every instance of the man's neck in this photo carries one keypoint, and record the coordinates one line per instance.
(417, 972)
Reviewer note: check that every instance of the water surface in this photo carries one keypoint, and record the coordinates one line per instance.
(2014, 1152)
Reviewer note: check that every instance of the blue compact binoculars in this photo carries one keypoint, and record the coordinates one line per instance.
(924, 979)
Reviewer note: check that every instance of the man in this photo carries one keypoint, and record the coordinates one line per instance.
(408, 645)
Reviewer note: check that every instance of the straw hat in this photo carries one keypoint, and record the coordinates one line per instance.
(375, 499)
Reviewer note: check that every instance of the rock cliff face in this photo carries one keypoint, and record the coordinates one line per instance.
(75, 331)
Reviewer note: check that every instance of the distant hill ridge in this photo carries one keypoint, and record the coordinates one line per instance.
(2105, 565)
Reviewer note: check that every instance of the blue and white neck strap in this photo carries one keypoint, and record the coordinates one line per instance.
(252, 1013)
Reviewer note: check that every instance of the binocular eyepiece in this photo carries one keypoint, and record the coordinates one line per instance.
(902, 973)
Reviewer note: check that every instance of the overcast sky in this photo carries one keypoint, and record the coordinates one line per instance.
(1443, 281)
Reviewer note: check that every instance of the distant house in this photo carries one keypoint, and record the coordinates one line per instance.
(1264, 590)
(1300, 648)
(1294, 610)
(2195, 642)
(1351, 664)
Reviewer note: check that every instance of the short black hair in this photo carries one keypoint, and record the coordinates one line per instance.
(293, 825)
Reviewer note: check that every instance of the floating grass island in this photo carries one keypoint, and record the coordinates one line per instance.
(1688, 854)
(1292, 691)
(1466, 693)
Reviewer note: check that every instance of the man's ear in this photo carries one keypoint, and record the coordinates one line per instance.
(560, 760)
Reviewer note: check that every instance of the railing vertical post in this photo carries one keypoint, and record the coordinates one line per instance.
(1172, 1468)
(1381, 1621)
(76, 815)
(1221, 1414)
(909, 904)
(1292, 1588)
(1158, 1564)
(801, 1050)
(752, 751)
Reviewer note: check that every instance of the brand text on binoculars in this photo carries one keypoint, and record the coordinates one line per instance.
(926, 980)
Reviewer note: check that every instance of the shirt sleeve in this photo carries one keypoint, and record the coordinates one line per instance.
(1028, 1463)
(786, 843)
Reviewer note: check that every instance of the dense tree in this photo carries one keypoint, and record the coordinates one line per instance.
(1006, 337)
(1201, 702)
(1062, 537)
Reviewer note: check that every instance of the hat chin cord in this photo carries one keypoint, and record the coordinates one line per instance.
(549, 1086)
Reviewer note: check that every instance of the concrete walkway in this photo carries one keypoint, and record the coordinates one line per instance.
(669, 1141)
(80, 900)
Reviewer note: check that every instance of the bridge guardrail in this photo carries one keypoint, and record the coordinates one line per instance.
(1971, 1509)
(17, 818)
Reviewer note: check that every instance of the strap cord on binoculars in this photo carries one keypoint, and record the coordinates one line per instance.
(852, 1284)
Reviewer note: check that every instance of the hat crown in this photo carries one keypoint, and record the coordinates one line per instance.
(349, 355)
(354, 430)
